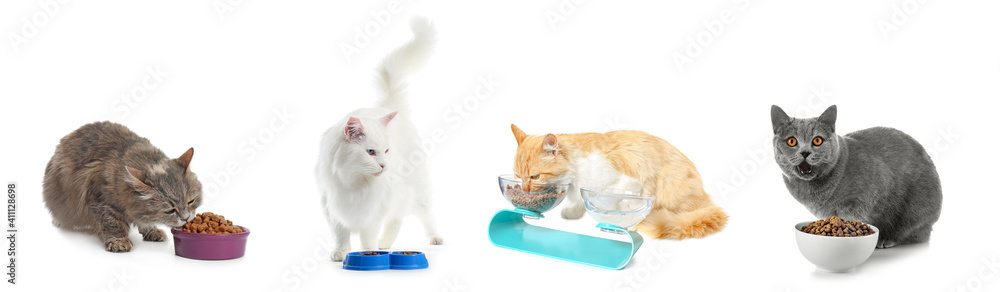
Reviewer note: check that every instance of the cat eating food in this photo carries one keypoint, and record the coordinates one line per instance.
(364, 178)
(104, 178)
(879, 175)
(630, 160)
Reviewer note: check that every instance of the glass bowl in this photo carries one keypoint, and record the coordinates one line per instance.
(622, 208)
(533, 197)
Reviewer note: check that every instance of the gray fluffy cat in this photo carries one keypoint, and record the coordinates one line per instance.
(879, 176)
(104, 178)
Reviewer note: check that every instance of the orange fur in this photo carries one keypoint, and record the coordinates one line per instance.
(682, 208)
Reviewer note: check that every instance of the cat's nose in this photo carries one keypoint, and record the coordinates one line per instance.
(805, 154)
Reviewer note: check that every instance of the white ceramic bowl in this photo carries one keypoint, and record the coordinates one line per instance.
(835, 254)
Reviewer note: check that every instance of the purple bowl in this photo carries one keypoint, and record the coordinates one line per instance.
(202, 246)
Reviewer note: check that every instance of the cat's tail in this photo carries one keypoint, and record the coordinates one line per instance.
(664, 224)
(404, 60)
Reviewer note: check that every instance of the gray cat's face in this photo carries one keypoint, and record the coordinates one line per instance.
(170, 193)
(805, 148)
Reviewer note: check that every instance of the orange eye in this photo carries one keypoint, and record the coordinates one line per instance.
(792, 142)
(817, 141)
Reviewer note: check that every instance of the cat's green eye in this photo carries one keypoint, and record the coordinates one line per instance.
(191, 202)
(817, 141)
(171, 211)
(792, 142)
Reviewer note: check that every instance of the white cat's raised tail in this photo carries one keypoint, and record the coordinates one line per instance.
(364, 178)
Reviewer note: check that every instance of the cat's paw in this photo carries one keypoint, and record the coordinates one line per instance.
(155, 234)
(118, 245)
(435, 240)
(384, 244)
(573, 212)
(338, 255)
(886, 244)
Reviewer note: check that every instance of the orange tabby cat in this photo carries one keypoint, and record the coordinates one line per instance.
(624, 160)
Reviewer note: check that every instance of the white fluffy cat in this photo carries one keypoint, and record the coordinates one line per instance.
(361, 175)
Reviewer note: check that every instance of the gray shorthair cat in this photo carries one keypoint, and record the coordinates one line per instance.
(104, 178)
(879, 176)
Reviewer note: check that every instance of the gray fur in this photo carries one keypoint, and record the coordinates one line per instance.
(879, 176)
(104, 178)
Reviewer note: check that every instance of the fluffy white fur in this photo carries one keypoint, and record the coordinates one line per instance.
(363, 173)
(596, 171)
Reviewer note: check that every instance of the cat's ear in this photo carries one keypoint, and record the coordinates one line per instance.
(778, 117)
(829, 117)
(518, 134)
(387, 118)
(354, 131)
(185, 160)
(134, 178)
(550, 144)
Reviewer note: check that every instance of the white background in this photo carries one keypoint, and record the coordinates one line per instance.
(606, 66)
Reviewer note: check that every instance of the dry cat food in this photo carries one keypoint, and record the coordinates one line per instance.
(836, 226)
(211, 223)
(370, 253)
(408, 253)
(537, 201)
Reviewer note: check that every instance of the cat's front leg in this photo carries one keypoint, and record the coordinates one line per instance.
(854, 210)
(859, 210)
(389, 232)
(368, 236)
(343, 237)
(113, 230)
(574, 203)
(430, 227)
(151, 233)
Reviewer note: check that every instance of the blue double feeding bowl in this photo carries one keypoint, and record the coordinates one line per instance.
(383, 260)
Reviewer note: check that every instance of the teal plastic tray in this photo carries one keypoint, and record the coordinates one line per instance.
(509, 230)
